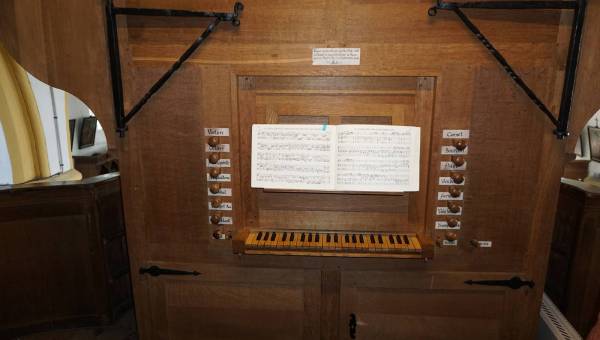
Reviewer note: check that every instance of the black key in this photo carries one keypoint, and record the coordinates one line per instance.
(361, 239)
(335, 238)
(405, 239)
(347, 238)
(302, 237)
(266, 236)
(284, 237)
(379, 238)
(398, 239)
(328, 238)
(258, 237)
(292, 237)
(372, 238)
(309, 237)
(353, 238)
(317, 237)
(391, 239)
(273, 235)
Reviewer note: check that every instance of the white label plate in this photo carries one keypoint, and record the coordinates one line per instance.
(218, 148)
(450, 243)
(222, 192)
(449, 181)
(336, 56)
(441, 225)
(458, 134)
(223, 163)
(220, 178)
(446, 211)
(216, 132)
(224, 220)
(445, 196)
(485, 244)
(224, 206)
(451, 150)
(452, 166)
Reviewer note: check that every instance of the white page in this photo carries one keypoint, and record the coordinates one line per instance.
(378, 158)
(293, 156)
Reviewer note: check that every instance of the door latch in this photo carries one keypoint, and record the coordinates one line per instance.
(514, 283)
(157, 271)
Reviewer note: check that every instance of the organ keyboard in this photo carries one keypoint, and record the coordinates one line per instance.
(333, 243)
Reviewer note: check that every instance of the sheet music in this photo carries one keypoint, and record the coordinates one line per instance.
(382, 158)
(293, 157)
(377, 158)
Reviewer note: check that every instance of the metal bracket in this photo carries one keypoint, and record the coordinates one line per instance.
(155, 271)
(578, 6)
(514, 283)
(115, 59)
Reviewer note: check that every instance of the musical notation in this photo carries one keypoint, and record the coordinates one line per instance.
(343, 157)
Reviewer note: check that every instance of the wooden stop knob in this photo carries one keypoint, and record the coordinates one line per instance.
(453, 207)
(459, 144)
(458, 160)
(457, 177)
(214, 157)
(451, 236)
(475, 243)
(454, 191)
(214, 141)
(216, 218)
(214, 187)
(214, 172)
(216, 202)
(452, 222)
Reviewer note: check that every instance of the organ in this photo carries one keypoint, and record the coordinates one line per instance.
(291, 264)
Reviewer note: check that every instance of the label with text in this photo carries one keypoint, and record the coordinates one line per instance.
(451, 150)
(218, 148)
(449, 181)
(452, 166)
(336, 56)
(223, 206)
(485, 244)
(445, 211)
(442, 225)
(450, 243)
(209, 132)
(224, 220)
(220, 178)
(445, 196)
(223, 163)
(222, 192)
(459, 134)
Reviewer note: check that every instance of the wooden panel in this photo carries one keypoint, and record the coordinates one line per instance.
(62, 273)
(233, 303)
(395, 307)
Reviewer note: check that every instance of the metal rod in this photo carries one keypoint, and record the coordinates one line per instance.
(509, 5)
(173, 13)
(115, 68)
(571, 70)
(511, 72)
(137, 107)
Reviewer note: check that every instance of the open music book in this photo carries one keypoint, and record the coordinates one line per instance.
(381, 158)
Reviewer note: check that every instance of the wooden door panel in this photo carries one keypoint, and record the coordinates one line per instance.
(399, 306)
(235, 303)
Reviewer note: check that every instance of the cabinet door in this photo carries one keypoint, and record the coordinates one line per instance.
(235, 303)
(415, 306)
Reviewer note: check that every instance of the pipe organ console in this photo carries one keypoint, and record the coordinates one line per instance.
(461, 257)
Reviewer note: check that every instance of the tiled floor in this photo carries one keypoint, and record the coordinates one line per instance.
(123, 329)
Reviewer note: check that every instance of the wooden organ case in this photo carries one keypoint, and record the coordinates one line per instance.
(489, 164)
